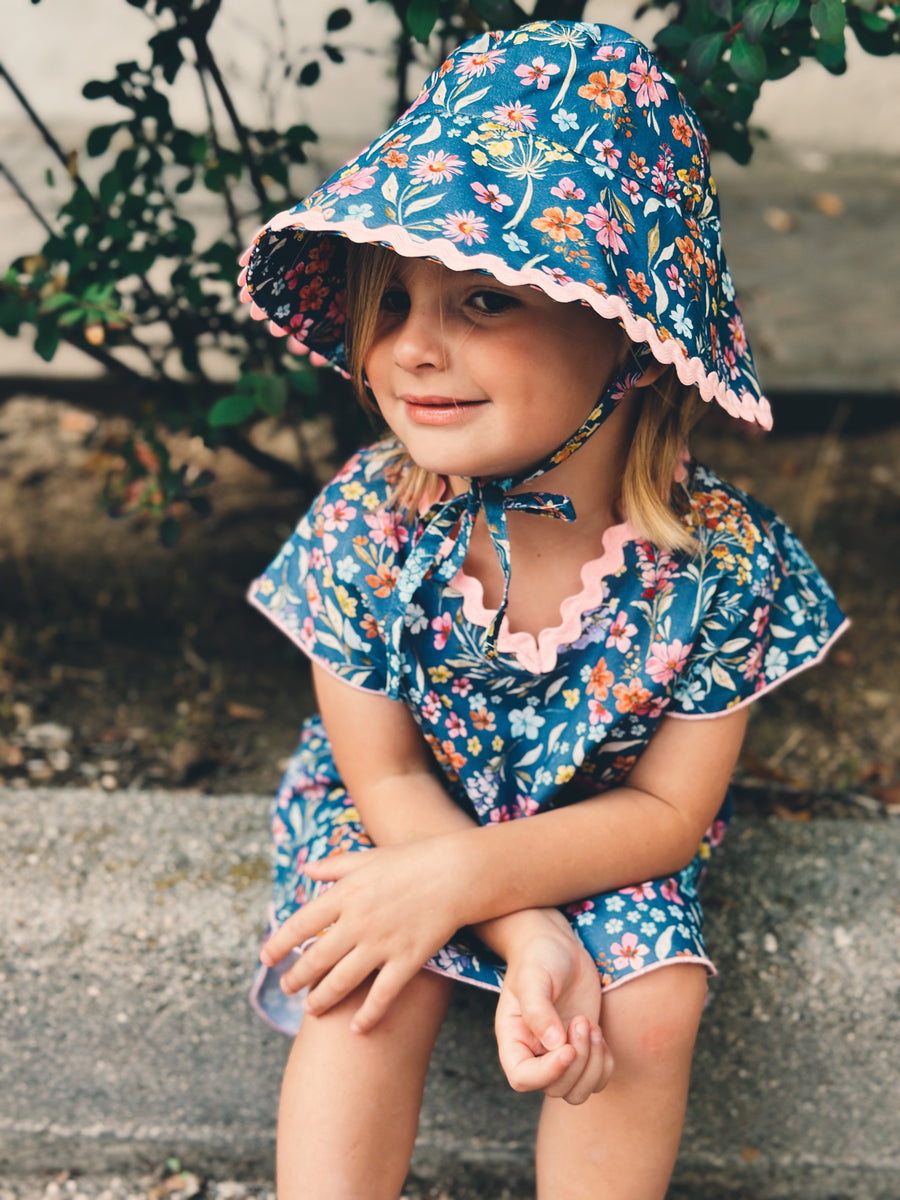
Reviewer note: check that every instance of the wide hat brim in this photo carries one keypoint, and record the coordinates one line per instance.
(558, 155)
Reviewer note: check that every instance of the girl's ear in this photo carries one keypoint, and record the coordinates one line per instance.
(652, 372)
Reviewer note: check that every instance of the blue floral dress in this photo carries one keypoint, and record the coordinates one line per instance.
(545, 721)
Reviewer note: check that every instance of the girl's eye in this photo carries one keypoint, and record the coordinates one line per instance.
(394, 300)
(491, 303)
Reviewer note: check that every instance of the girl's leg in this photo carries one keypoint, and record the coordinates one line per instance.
(622, 1143)
(350, 1102)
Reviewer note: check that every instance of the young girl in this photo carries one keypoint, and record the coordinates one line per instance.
(526, 601)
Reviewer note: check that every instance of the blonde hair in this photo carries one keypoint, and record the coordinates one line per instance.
(651, 498)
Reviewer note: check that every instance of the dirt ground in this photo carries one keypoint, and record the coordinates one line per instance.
(124, 664)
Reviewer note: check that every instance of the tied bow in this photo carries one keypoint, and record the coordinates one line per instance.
(443, 545)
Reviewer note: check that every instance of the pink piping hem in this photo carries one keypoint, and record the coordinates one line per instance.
(538, 654)
(289, 633)
(680, 716)
(639, 329)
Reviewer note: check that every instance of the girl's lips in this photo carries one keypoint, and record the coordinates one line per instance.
(438, 410)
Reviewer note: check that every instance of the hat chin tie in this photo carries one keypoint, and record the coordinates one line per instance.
(443, 545)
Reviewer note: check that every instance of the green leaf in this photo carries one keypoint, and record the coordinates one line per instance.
(309, 75)
(49, 177)
(748, 62)
(334, 54)
(95, 89)
(832, 58)
(498, 14)
(723, 9)
(272, 394)
(421, 18)
(58, 300)
(829, 19)
(75, 316)
(784, 11)
(46, 340)
(757, 15)
(703, 56)
(674, 38)
(339, 19)
(232, 410)
(169, 535)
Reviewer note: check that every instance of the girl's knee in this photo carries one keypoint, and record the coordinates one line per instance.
(652, 1021)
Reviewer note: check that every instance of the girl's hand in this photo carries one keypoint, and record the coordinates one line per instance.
(389, 911)
(548, 1035)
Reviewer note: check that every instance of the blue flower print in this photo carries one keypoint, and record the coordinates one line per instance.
(346, 569)
(614, 925)
(414, 619)
(282, 312)
(525, 722)
(360, 212)
(515, 243)
(565, 120)
(776, 662)
(682, 323)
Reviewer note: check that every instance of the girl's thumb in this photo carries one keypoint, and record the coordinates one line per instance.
(540, 1015)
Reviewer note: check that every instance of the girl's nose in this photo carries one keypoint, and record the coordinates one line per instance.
(420, 341)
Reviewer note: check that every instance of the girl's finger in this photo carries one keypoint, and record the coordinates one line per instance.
(336, 866)
(302, 925)
(539, 1013)
(386, 987)
(527, 1073)
(317, 957)
(579, 1038)
(596, 1072)
(343, 978)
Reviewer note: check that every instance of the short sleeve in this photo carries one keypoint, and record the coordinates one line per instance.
(765, 611)
(329, 586)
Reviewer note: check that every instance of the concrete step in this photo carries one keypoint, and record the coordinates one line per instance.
(130, 922)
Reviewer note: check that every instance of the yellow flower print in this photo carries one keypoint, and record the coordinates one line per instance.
(497, 744)
(501, 149)
(267, 587)
(479, 158)
(353, 490)
(439, 674)
(564, 774)
(371, 501)
(346, 602)
(327, 577)
(571, 697)
(473, 745)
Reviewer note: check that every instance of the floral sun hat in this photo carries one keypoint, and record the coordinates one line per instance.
(558, 155)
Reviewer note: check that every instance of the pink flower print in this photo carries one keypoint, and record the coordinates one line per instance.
(492, 195)
(632, 190)
(608, 229)
(313, 597)
(753, 664)
(473, 66)
(461, 686)
(598, 713)
(354, 182)
(456, 726)
(641, 891)
(610, 53)
(646, 81)
(567, 189)
(629, 953)
(525, 806)
(442, 626)
(669, 892)
(760, 619)
(730, 362)
(607, 153)
(517, 115)
(436, 166)
(465, 227)
(539, 73)
(676, 282)
(388, 529)
(738, 336)
(557, 274)
(667, 661)
(621, 632)
(431, 707)
(337, 516)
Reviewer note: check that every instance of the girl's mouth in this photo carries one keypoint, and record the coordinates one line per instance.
(439, 410)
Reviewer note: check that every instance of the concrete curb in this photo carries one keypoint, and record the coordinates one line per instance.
(130, 923)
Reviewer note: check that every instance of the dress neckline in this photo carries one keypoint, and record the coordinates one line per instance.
(538, 654)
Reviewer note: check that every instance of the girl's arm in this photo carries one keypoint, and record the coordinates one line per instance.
(462, 874)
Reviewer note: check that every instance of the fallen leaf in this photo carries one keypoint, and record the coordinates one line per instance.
(779, 220)
(749, 1153)
(790, 814)
(244, 712)
(829, 204)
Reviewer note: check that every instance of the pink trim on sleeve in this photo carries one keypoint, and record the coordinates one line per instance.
(681, 716)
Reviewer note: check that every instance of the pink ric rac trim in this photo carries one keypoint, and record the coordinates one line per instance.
(680, 716)
(301, 645)
(639, 329)
(538, 654)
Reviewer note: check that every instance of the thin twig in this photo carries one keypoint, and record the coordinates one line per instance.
(26, 200)
(43, 130)
(214, 139)
(825, 462)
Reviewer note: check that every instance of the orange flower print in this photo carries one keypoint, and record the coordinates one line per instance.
(638, 284)
(482, 719)
(600, 679)
(604, 92)
(631, 696)
(384, 580)
(638, 164)
(452, 756)
(369, 626)
(395, 158)
(691, 256)
(680, 129)
(560, 226)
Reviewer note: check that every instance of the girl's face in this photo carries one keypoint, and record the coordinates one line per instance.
(477, 378)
